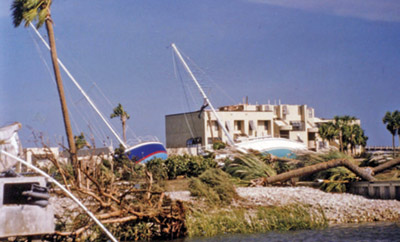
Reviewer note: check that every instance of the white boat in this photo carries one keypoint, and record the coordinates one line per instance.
(279, 147)
(142, 152)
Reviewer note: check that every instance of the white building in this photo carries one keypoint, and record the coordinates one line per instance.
(294, 122)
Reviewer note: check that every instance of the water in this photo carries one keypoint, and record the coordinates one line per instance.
(350, 232)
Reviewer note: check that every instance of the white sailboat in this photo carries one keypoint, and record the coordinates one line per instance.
(276, 146)
(141, 152)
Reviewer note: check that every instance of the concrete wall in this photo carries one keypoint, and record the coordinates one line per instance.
(180, 127)
(24, 219)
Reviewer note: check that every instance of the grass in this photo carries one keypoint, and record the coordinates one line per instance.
(257, 220)
(177, 185)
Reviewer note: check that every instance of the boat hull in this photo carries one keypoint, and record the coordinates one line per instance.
(278, 147)
(147, 151)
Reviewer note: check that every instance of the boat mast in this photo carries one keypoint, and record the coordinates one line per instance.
(230, 140)
(81, 90)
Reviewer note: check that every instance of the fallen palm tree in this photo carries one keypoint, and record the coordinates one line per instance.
(386, 166)
(305, 171)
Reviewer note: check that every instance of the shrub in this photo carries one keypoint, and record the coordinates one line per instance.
(158, 169)
(218, 145)
(214, 186)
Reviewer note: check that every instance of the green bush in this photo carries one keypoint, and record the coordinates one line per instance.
(218, 145)
(158, 169)
(214, 186)
(177, 166)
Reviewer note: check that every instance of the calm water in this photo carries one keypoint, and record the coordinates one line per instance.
(352, 232)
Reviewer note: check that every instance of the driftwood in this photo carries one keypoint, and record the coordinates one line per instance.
(305, 171)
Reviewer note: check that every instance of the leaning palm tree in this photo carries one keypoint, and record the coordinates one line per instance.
(38, 11)
(392, 125)
(124, 116)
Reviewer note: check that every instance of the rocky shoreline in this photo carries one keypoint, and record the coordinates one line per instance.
(339, 208)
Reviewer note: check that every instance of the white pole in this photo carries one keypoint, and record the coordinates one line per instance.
(81, 90)
(65, 190)
(231, 142)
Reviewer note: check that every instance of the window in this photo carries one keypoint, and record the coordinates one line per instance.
(285, 110)
(215, 125)
(284, 134)
(297, 125)
(239, 125)
(310, 112)
(263, 125)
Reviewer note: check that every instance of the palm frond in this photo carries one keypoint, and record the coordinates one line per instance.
(248, 167)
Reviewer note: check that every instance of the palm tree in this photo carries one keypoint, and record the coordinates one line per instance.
(340, 124)
(308, 170)
(327, 131)
(80, 141)
(39, 11)
(391, 119)
(124, 116)
(354, 135)
(397, 117)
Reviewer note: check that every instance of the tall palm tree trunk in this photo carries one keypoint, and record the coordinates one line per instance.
(394, 146)
(123, 119)
(305, 171)
(64, 108)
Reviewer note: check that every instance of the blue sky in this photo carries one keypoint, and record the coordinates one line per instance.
(341, 57)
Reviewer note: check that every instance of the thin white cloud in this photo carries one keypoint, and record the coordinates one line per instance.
(375, 10)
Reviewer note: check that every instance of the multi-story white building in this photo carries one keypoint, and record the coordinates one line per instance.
(294, 122)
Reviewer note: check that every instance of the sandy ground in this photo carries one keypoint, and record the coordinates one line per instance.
(338, 207)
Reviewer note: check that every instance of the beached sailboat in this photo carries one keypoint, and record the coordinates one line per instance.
(276, 146)
(141, 152)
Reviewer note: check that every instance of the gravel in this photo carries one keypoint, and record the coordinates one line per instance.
(337, 207)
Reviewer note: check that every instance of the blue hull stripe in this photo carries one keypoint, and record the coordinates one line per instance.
(146, 152)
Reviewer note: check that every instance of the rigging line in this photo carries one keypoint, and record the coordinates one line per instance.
(74, 104)
(79, 87)
(85, 116)
(42, 58)
(51, 75)
(194, 98)
(180, 78)
(188, 89)
(111, 106)
(209, 78)
(87, 76)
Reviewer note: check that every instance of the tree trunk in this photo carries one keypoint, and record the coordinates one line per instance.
(394, 147)
(386, 165)
(64, 108)
(123, 120)
(305, 171)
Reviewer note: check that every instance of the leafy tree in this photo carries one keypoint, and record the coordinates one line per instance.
(124, 116)
(38, 11)
(392, 121)
(80, 141)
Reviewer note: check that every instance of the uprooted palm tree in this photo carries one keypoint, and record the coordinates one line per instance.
(124, 116)
(38, 11)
